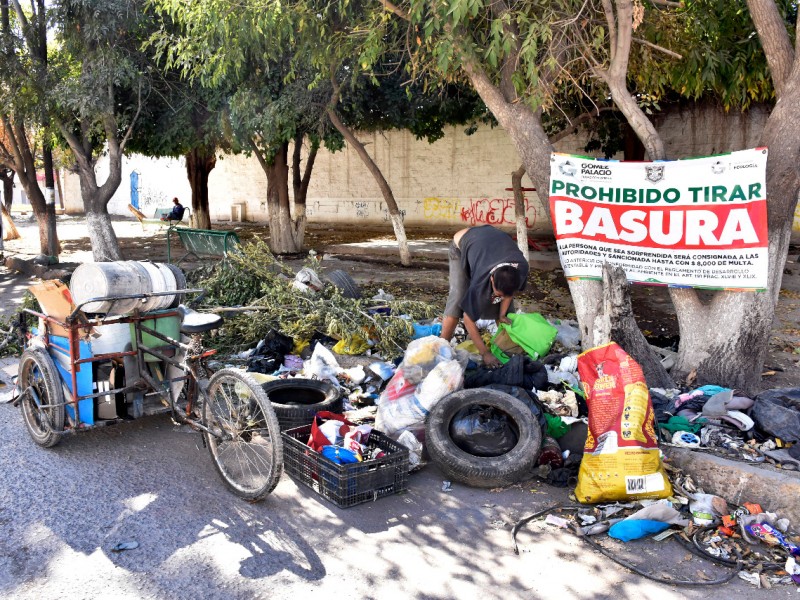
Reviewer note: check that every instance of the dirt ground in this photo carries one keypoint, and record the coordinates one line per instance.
(547, 291)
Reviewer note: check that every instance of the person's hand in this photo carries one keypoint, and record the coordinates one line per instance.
(490, 361)
(505, 320)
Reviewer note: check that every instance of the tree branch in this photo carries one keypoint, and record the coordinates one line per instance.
(129, 132)
(657, 47)
(608, 9)
(579, 120)
(392, 8)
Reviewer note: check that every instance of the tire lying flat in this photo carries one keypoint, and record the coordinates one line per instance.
(479, 471)
(296, 401)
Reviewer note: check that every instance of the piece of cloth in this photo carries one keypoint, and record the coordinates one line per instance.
(480, 250)
(519, 370)
(679, 423)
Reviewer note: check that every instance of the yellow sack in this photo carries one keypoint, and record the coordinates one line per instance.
(621, 460)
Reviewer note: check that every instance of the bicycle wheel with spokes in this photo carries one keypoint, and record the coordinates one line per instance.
(245, 444)
(42, 400)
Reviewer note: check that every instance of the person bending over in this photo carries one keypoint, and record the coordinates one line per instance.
(486, 270)
(176, 214)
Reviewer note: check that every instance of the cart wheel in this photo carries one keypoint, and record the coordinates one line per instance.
(247, 450)
(42, 399)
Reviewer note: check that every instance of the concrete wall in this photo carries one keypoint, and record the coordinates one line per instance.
(458, 180)
(160, 180)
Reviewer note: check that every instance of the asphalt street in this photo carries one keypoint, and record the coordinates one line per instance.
(63, 509)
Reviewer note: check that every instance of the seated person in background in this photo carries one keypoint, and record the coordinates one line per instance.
(176, 214)
(486, 270)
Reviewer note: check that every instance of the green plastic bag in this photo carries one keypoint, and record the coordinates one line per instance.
(529, 330)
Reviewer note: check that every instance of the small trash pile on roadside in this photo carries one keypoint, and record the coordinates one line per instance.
(710, 418)
(757, 546)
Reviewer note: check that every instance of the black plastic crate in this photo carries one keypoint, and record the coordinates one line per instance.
(346, 485)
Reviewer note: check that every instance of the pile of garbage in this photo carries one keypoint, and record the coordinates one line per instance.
(759, 547)
(765, 428)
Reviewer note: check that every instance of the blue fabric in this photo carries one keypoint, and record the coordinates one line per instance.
(711, 390)
(634, 529)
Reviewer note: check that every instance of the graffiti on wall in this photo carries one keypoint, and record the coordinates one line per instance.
(478, 211)
(362, 210)
(386, 216)
(444, 209)
(150, 198)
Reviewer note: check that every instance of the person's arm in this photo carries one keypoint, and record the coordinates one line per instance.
(489, 359)
(504, 306)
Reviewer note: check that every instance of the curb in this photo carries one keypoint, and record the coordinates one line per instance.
(775, 490)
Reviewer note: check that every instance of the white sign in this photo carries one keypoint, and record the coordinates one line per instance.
(697, 223)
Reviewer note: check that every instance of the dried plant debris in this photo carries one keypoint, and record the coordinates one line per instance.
(258, 287)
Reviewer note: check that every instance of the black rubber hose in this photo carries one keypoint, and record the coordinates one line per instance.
(736, 567)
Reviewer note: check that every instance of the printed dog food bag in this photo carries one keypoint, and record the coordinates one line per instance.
(621, 460)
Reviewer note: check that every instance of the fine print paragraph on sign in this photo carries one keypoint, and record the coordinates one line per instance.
(700, 222)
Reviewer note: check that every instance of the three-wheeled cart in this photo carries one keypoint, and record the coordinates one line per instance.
(87, 371)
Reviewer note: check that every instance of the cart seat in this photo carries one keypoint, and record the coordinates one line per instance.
(195, 322)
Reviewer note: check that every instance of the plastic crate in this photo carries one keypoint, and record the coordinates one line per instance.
(346, 485)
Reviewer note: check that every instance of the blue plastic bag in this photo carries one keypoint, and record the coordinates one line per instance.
(634, 529)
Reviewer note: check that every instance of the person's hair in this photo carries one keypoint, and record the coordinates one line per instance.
(506, 280)
(175, 199)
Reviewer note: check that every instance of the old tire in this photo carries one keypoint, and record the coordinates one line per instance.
(479, 471)
(296, 401)
(342, 280)
(42, 400)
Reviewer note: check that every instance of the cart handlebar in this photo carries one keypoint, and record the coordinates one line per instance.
(144, 296)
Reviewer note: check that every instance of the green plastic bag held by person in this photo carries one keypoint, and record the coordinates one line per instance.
(531, 331)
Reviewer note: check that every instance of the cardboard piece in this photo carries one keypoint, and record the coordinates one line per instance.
(56, 301)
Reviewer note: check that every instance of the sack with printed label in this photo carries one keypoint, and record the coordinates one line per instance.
(621, 460)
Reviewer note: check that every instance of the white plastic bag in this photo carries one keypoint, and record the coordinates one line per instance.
(306, 280)
(446, 378)
(322, 365)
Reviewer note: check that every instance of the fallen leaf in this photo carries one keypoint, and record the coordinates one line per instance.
(702, 575)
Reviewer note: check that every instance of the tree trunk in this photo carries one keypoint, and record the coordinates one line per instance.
(395, 215)
(105, 246)
(36, 198)
(60, 190)
(7, 177)
(519, 211)
(618, 325)
(199, 163)
(725, 340)
(301, 177)
(281, 226)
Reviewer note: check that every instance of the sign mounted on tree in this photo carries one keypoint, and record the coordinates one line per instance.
(696, 223)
